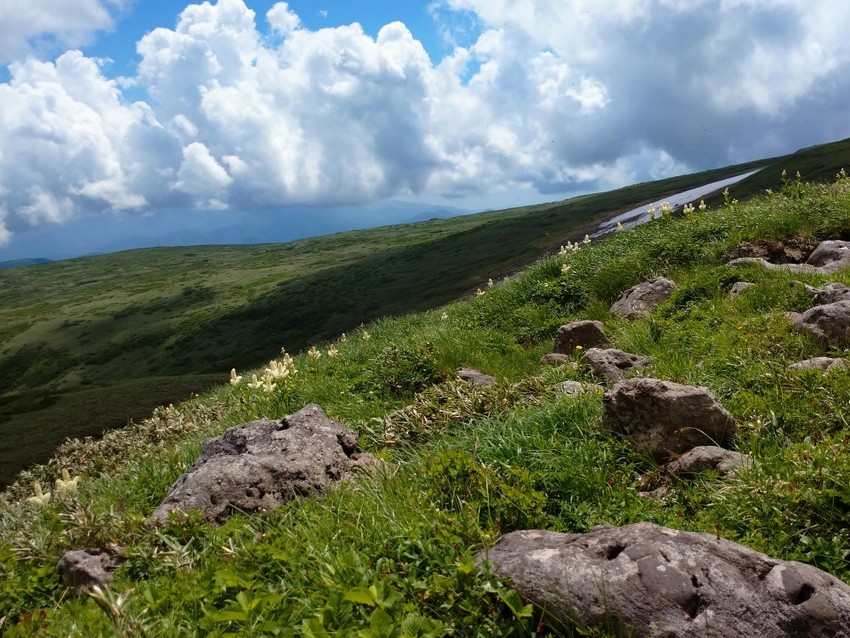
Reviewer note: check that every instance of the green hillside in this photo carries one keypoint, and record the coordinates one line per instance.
(391, 552)
(92, 342)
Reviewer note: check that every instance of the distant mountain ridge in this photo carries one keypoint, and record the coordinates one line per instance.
(101, 234)
(25, 261)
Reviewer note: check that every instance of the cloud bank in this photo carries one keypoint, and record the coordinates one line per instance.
(250, 112)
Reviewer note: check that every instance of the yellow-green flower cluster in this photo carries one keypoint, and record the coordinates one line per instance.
(276, 374)
(65, 486)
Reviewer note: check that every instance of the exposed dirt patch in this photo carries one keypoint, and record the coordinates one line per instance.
(777, 251)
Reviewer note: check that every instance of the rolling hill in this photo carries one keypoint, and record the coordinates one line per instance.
(89, 343)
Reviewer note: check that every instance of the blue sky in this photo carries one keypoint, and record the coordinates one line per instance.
(127, 109)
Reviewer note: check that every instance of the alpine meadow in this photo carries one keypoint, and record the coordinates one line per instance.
(373, 327)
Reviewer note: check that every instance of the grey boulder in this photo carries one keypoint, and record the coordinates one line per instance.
(586, 334)
(650, 581)
(830, 292)
(739, 288)
(822, 364)
(828, 322)
(554, 359)
(639, 301)
(708, 457)
(475, 377)
(611, 364)
(829, 257)
(83, 569)
(665, 419)
(263, 464)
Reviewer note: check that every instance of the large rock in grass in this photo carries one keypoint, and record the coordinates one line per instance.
(828, 322)
(584, 334)
(639, 301)
(263, 464)
(829, 257)
(666, 419)
(650, 581)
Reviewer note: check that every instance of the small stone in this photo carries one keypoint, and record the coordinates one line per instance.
(828, 293)
(639, 301)
(739, 288)
(611, 365)
(574, 388)
(708, 457)
(822, 364)
(579, 334)
(554, 359)
(475, 377)
(83, 569)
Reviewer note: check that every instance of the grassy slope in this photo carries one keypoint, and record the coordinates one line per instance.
(163, 323)
(391, 553)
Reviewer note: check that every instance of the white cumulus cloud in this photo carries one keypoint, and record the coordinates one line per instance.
(28, 26)
(539, 97)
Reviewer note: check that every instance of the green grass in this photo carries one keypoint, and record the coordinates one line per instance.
(392, 553)
(119, 321)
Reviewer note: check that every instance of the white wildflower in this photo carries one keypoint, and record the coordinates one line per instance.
(235, 379)
(66, 485)
(268, 384)
(40, 497)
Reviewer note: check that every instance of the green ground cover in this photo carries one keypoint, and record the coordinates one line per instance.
(120, 321)
(392, 552)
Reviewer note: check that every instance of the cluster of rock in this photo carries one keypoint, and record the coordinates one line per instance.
(829, 317)
(829, 257)
(660, 582)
